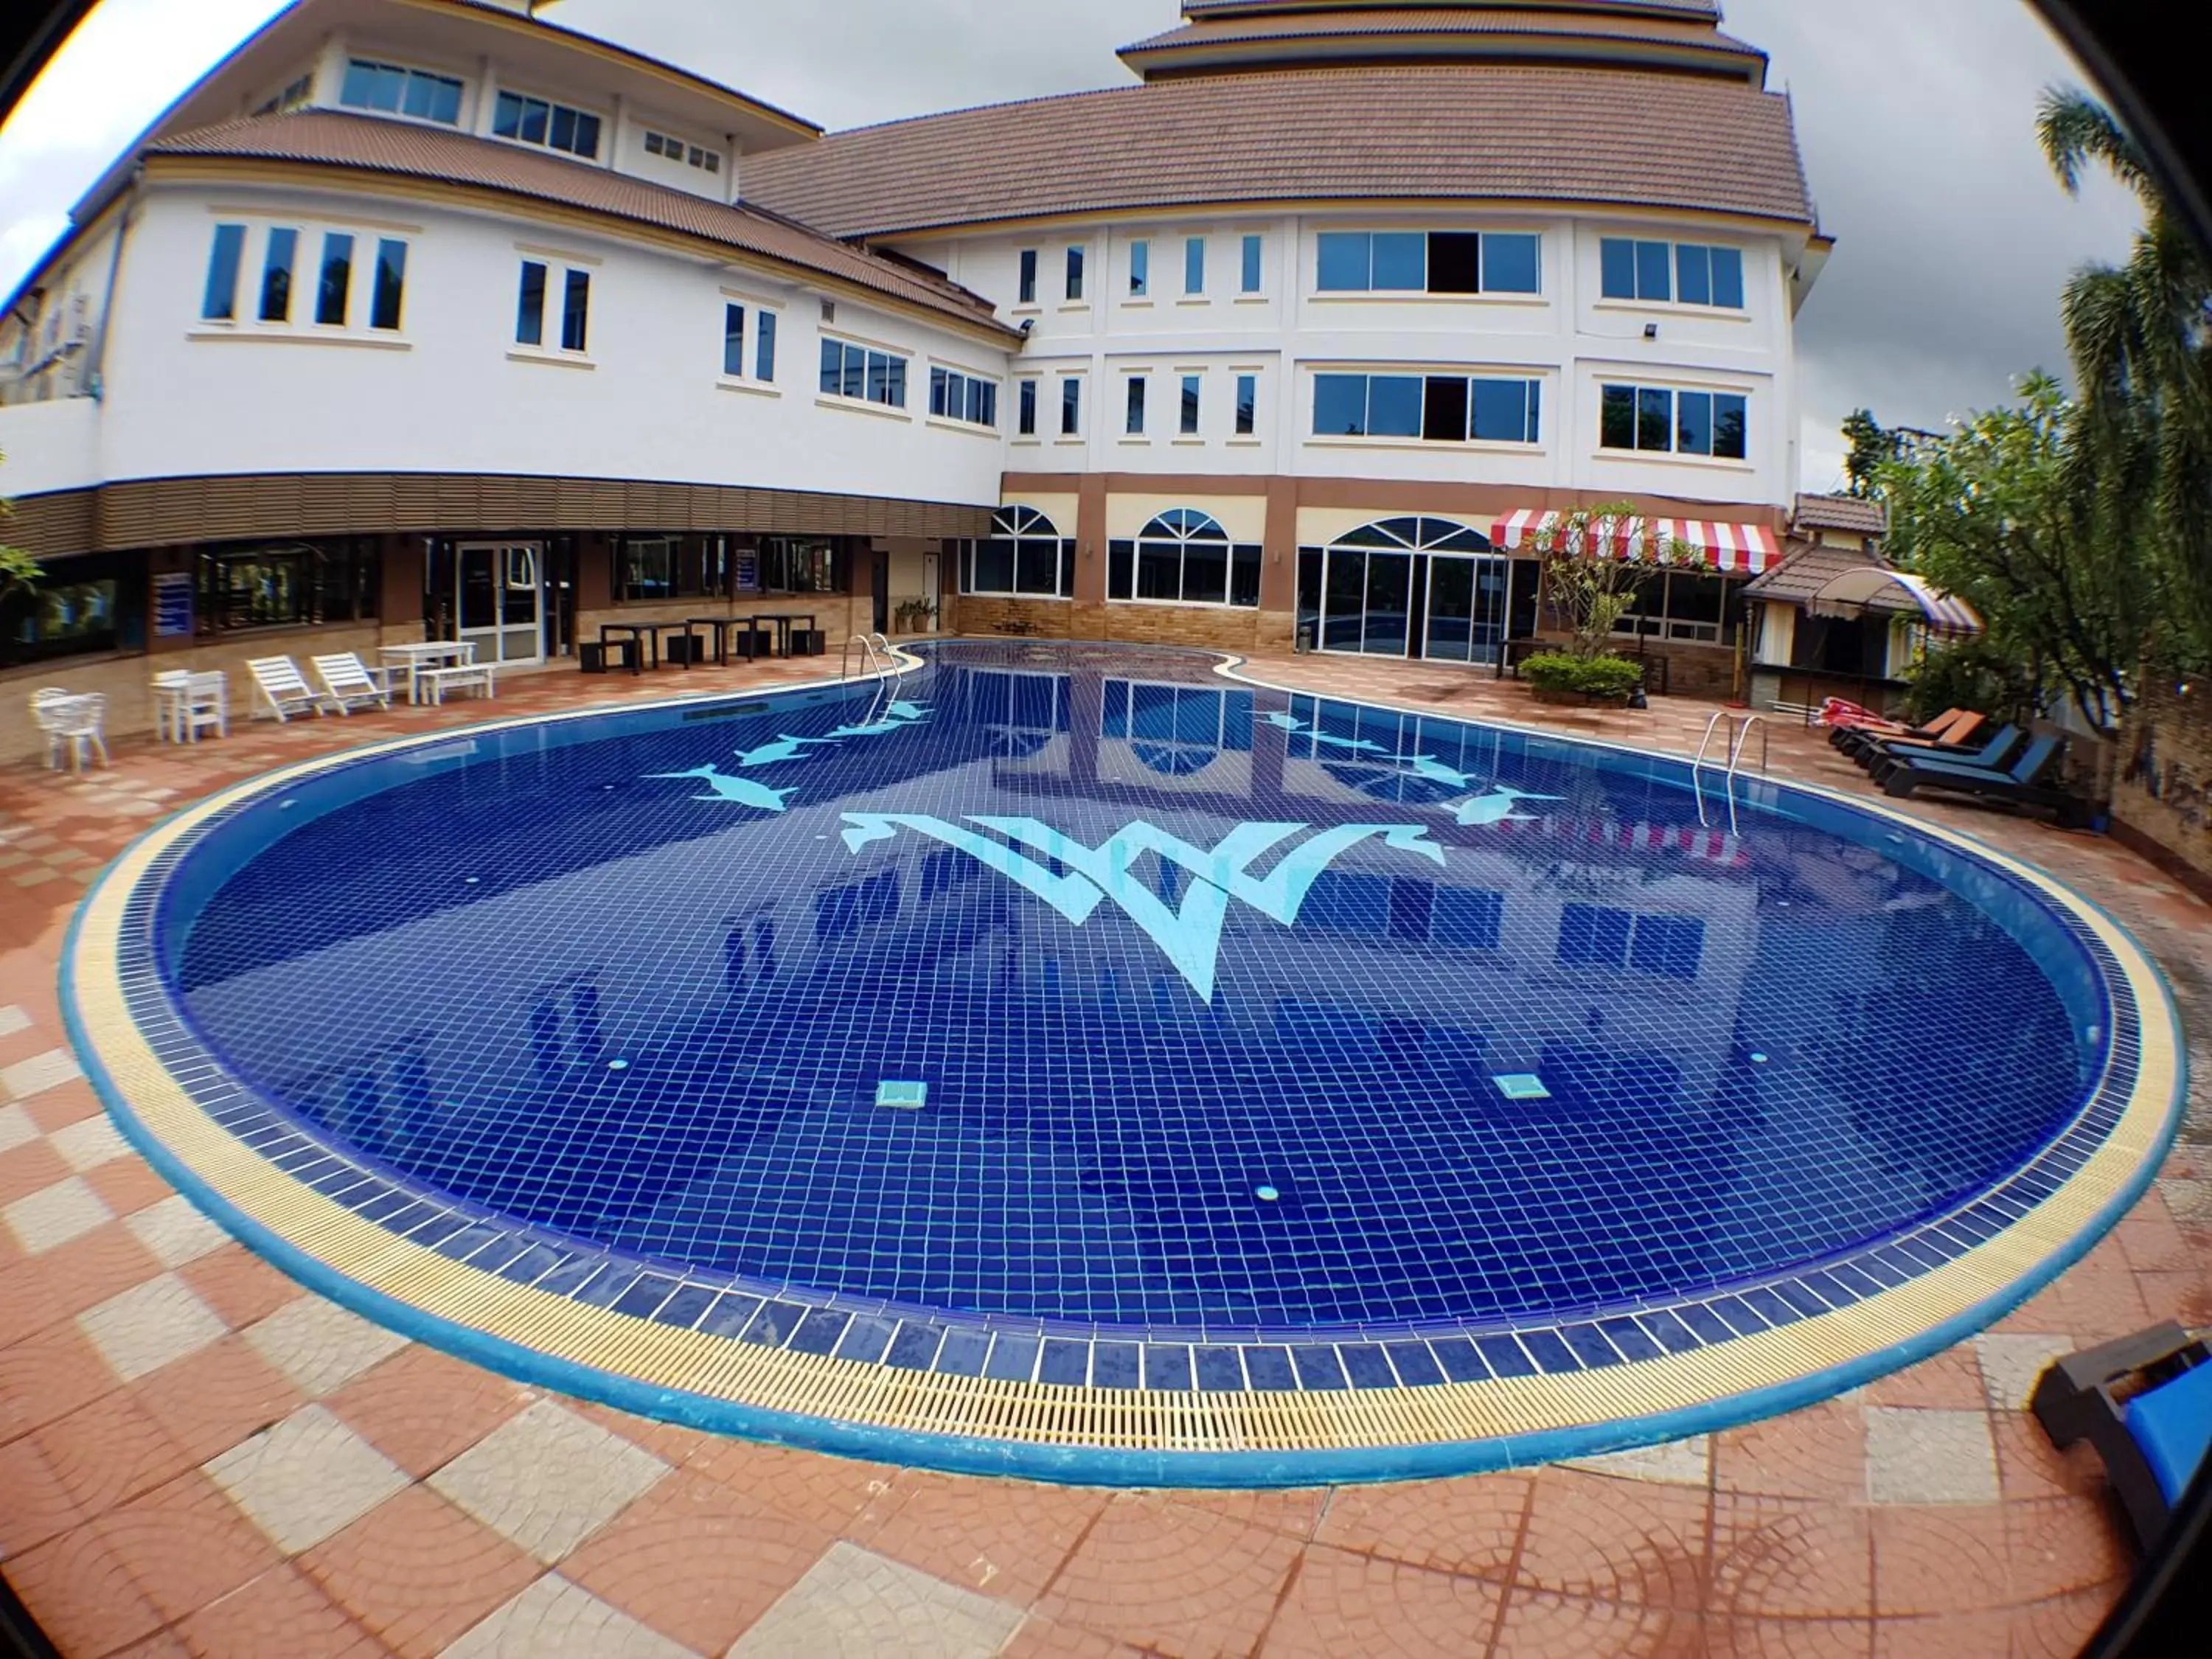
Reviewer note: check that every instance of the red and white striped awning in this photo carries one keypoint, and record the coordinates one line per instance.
(1706, 846)
(1734, 550)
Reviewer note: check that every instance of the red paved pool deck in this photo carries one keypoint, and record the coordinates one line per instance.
(198, 1457)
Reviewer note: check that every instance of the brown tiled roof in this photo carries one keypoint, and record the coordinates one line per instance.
(1449, 132)
(1845, 513)
(1810, 567)
(367, 144)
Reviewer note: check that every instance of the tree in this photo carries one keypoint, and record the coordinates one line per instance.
(1870, 446)
(19, 571)
(1595, 560)
(2141, 338)
(1991, 513)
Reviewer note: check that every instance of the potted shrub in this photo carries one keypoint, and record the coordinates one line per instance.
(1595, 560)
(1562, 677)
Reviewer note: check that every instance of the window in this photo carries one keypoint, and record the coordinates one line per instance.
(764, 347)
(1677, 605)
(1075, 273)
(1026, 557)
(954, 396)
(1140, 272)
(292, 586)
(1253, 255)
(530, 306)
(1071, 407)
(649, 568)
(1026, 420)
(674, 149)
(393, 90)
(1688, 273)
(863, 374)
(576, 311)
(1438, 261)
(1185, 557)
(1028, 289)
(708, 159)
(391, 284)
(733, 341)
(219, 303)
(1667, 422)
(294, 96)
(1135, 427)
(1194, 265)
(1247, 405)
(277, 275)
(337, 285)
(1436, 408)
(535, 121)
(791, 564)
(1597, 936)
(82, 606)
(1187, 425)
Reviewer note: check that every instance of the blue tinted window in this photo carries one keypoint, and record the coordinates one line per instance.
(391, 284)
(1248, 403)
(576, 311)
(1188, 425)
(1194, 265)
(1693, 424)
(530, 306)
(1654, 418)
(1618, 427)
(1028, 293)
(1727, 277)
(1512, 265)
(1140, 268)
(833, 369)
(1670, 946)
(1343, 261)
(1401, 261)
(1503, 411)
(733, 340)
(433, 98)
(1339, 405)
(1394, 406)
(1654, 275)
(1075, 273)
(337, 285)
(277, 275)
(1471, 921)
(373, 85)
(1592, 937)
(1694, 275)
(1027, 417)
(1252, 256)
(219, 303)
(1136, 418)
(764, 353)
(1618, 256)
(1730, 426)
(1071, 408)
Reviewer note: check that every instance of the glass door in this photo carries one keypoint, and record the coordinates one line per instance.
(1467, 609)
(1389, 604)
(500, 600)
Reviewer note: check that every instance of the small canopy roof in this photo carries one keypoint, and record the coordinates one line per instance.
(1734, 550)
(1852, 593)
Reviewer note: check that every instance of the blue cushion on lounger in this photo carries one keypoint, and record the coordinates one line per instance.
(2173, 1424)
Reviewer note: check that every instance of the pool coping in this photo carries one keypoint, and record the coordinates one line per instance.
(1087, 1433)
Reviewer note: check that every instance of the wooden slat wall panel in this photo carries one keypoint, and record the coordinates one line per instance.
(52, 526)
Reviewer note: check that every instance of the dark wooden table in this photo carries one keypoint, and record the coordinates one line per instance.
(782, 622)
(648, 631)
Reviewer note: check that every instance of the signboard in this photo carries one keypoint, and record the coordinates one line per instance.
(748, 572)
(172, 605)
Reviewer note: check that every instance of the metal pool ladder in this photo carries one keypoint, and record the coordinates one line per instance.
(1733, 744)
(876, 654)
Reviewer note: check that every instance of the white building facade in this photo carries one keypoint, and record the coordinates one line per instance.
(435, 316)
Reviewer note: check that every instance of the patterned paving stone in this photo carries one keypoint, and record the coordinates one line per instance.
(53, 1216)
(306, 1478)
(12, 1020)
(555, 1620)
(1176, 1576)
(1340, 1603)
(2012, 1364)
(1676, 1463)
(34, 1076)
(549, 1479)
(320, 1346)
(176, 1232)
(17, 1128)
(282, 1612)
(1931, 1457)
(417, 1573)
(856, 1604)
(89, 1143)
(153, 1325)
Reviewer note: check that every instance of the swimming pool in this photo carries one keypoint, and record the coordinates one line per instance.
(1078, 1062)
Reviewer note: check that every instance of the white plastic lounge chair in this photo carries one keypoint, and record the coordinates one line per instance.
(278, 680)
(349, 684)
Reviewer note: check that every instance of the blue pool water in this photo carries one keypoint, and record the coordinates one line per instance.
(1086, 989)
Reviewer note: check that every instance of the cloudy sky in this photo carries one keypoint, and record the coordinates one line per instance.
(1916, 118)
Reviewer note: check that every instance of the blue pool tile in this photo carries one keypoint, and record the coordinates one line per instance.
(568, 1277)
(729, 1315)
(1856, 1280)
(1505, 1356)
(1270, 1369)
(1367, 1365)
(820, 1332)
(1740, 1318)
(533, 1264)
(606, 1287)
(964, 1351)
(915, 1347)
(684, 1309)
(1667, 1328)
(1319, 1368)
(1115, 1366)
(644, 1295)
(1064, 1363)
(1013, 1357)
(1551, 1351)
(1629, 1339)
(772, 1326)
(1768, 1304)
(1416, 1366)
(1588, 1345)
(866, 1338)
(465, 1241)
(1460, 1360)
(1167, 1365)
(1219, 1369)
(1799, 1298)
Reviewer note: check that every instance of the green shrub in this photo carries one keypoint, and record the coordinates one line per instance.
(1971, 674)
(1614, 678)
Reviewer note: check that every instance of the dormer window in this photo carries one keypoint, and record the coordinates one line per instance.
(391, 89)
(536, 121)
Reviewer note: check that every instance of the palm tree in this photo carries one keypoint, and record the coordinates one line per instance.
(2141, 337)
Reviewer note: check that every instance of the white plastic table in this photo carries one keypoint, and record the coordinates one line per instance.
(412, 660)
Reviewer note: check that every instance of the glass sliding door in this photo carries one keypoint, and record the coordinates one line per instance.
(1467, 609)
(500, 600)
(1344, 601)
(1389, 604)
(1410, 587)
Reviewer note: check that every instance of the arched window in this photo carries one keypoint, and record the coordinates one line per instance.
(1026, 557)
(1184, 557)
(1418, 536)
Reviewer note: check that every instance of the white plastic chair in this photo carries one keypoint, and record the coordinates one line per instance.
(279, 682)
(206, 703)
(349, 684)
(172, 694)
(73, 724)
